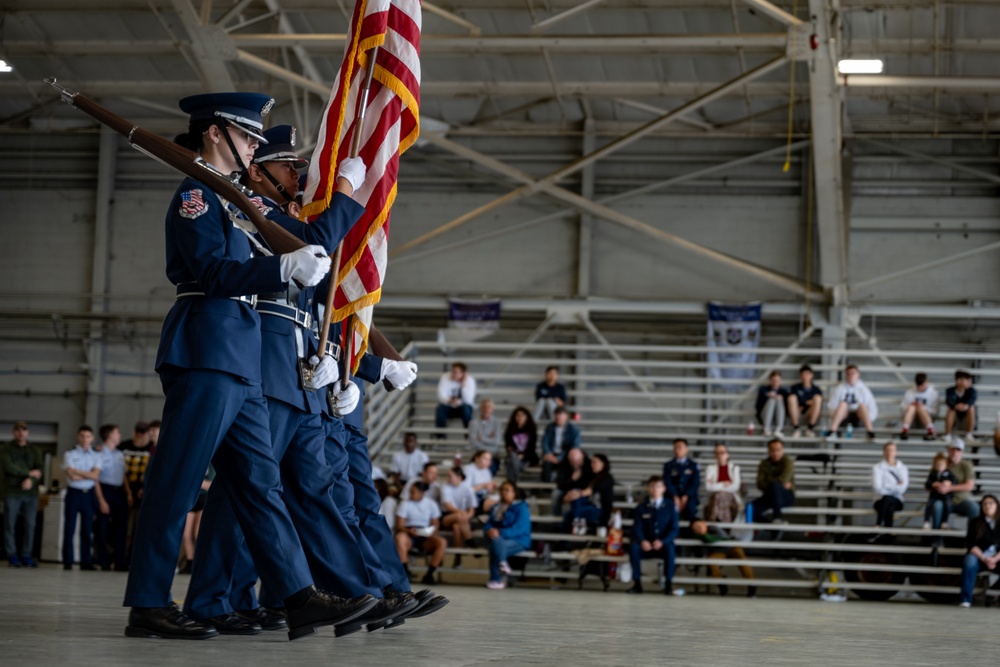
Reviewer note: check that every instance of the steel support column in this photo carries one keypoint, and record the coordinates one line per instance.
(827, 112)
(584, 255)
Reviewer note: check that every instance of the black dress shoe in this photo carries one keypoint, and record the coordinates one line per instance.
(233, 624)
(166, 623)
(635, 590)
(67, 566)
(267, 619)
(384, 611)
(324, 609)
(723, 590)
(429, 606)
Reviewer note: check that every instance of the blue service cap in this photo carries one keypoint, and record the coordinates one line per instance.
(244, 110)
(279, 147)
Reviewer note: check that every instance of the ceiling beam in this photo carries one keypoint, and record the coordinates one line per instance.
(210, 46)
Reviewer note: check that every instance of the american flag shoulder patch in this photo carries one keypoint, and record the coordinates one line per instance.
(192, 204)
(261, 206)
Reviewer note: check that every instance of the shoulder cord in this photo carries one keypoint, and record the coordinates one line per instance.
(246, 227)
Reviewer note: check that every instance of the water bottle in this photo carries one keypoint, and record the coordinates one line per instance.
(751, 427)
(458, 459)
(849, 433)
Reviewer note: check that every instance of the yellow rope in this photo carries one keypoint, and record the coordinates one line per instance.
(791, 104)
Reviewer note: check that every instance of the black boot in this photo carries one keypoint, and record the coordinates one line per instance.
(233, 624)
(428, 579)
(636, 589)
(723, 590)
(751, 591)
(267, 619)
(166, 623)
(387, 609)
(310, 609)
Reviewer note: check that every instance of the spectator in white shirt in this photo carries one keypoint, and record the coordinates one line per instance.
(389, 503)
(723, 484)
(920, 403)
(853, 403)
(429, 476)
(456, 396)
(478, 475)
(486, 432)
(409, 463)
(417, 522)
(458, 508)
(890, 478)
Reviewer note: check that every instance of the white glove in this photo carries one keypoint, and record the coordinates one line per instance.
(353, 169)
(306, 265)
(344, 401)
(400, 374)
(324, 372)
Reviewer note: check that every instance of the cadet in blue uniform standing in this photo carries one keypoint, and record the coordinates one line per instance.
(683, 478)
(654, 529)
(209, 365)
(223, 582)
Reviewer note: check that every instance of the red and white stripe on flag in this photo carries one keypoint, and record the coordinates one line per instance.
(391, 125)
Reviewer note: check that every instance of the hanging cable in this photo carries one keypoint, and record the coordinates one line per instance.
(791, 104)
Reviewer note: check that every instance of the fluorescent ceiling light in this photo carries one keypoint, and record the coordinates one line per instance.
(860, 66)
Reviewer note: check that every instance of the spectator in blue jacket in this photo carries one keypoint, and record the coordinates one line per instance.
(770, 406)
(550, 395)
(654, 529)
(682, 478)
(560, 437)
(961, 402)
(509, 531)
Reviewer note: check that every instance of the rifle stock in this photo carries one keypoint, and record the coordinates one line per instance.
(278, 239)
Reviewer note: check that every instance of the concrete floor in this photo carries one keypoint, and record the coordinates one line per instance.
(53, 617)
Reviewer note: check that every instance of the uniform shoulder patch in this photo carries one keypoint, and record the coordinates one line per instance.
(261, 206)
(193, 204)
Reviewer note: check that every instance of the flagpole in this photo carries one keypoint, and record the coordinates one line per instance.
(335, 264)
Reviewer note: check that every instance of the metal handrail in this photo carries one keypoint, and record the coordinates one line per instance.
(386, 412)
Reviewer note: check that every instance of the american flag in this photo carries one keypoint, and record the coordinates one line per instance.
(391, 125)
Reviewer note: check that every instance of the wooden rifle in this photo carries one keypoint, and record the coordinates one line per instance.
(277, 238)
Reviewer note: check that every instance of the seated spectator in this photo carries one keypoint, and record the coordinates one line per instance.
(961, 402)
(388, 505)
(409, 463)
(920, 403)
(582, 505)
(996, 434)
(723, 484)
(574, 474)
(509, 531)
(560, 437)
(713, 534)
(417, 523)
(83, 468)
(113, 501)
(550, 395)
(21, 466)
(458, 509)
(890, 479)
(805, 400)
(521, 442)
(770, 405)
(682, 477)
(456, 397)
(961, 483)
(776, 481)
(478, 475)
(486, 432)
(429, 476)
(934, 485)
(853, 403)
(654, 529)
(982, 539)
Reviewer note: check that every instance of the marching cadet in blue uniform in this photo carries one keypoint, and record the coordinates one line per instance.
(683, 478)
(654, 529)
(224, 577)
(354, 491)
(209, 365)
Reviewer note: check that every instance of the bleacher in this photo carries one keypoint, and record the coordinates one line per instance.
(631, 407)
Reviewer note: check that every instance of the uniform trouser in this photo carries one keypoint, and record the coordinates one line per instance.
(224, 575)
(13, 506)
(367, 504)
(344, 498)
(667, 554)
(211, 416)
(112, 527)
(78, 501)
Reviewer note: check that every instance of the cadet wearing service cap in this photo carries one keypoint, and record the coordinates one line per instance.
(209, 364)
